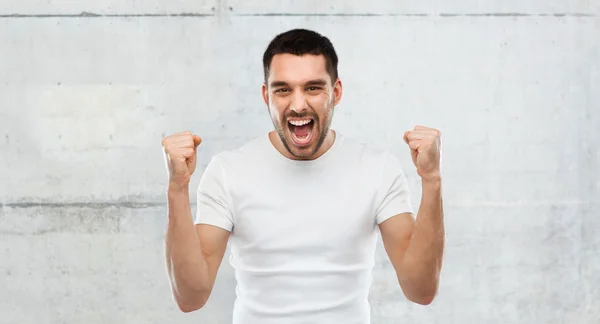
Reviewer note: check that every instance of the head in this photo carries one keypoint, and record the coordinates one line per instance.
(301, 89)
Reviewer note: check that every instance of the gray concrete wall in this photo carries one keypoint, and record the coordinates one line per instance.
(89, 88)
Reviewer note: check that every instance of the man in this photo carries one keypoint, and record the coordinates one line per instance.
(301, 206)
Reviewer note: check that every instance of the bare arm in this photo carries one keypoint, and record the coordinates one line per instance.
(193, 253)
(416, 247)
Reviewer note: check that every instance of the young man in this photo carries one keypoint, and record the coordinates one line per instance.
(301, 205)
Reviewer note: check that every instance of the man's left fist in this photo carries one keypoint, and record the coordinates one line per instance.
(425, 145)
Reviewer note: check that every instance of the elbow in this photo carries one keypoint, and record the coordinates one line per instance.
(423, 299)
(191, 306)
(184, 308)
(420, 289)
(422, 294)
(187, 308)
(192, 303)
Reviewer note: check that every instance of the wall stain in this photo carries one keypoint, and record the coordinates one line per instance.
(444, 15)
(93, 205)
(86, 14)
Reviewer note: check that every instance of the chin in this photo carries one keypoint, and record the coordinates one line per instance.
(304, 151)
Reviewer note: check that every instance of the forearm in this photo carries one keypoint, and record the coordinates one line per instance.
(423, 258)
(186, 264)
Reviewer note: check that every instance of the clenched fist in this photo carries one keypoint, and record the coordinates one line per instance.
(425, 148)
(180, 157)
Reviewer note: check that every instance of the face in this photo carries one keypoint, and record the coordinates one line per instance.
(301, 97)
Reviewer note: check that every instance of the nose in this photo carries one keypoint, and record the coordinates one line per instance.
(298, 103)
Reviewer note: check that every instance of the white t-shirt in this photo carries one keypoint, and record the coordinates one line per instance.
(303, 233)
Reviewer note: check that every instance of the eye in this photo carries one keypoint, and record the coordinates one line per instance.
(312, 89)
(281, 90)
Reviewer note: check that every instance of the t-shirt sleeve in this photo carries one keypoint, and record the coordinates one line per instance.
(393, 191)
(213, 202)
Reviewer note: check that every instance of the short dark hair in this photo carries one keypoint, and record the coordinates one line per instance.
(300, 42)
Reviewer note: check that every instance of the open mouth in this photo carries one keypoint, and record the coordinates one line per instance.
(301, 130)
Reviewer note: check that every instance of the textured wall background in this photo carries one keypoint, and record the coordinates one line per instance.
(89, 88)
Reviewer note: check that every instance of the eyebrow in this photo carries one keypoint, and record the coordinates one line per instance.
(275, 84)
(321, 82)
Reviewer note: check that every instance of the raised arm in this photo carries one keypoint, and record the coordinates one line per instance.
(193, 252)
(416, 248)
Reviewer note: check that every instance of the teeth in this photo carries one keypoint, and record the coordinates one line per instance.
(299, 122)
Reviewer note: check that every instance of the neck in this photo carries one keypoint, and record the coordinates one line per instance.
(325, 146)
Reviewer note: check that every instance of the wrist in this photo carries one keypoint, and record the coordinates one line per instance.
(177, 190)
(432, 180)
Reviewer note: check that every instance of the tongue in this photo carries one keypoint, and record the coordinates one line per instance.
(301, 131)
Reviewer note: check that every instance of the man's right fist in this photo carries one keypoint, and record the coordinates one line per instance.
(180, 157)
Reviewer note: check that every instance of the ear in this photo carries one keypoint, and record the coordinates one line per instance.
(337, 91)
(265, 94)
